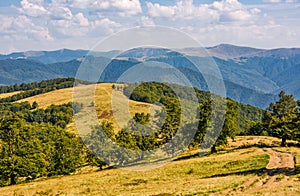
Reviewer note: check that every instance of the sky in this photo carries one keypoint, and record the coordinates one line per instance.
(79, 24)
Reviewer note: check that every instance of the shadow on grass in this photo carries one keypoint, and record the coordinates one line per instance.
(185, 157)
(258, 172)
(261, 171)
(259, 145)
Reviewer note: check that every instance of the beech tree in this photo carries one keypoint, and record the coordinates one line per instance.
(280, 119)
(230, 126)
(20, 151)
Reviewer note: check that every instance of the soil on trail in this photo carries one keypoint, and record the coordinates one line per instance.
(284, 162)
(280, 166)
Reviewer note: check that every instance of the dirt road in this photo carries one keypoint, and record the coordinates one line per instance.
(280, 166)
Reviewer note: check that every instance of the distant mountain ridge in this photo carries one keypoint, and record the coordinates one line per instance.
(246, 71)
(63, 55)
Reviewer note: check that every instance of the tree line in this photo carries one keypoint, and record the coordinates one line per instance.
(36, 88)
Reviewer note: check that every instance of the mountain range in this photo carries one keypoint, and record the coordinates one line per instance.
(250, 75)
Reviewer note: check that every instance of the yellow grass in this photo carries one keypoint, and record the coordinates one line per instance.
(109, 105)
(191, 176)
(4, 95)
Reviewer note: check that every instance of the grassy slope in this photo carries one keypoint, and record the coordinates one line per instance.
(190, 176)
(4, 95)
(103, 103)
(230, 168)
(202, 175)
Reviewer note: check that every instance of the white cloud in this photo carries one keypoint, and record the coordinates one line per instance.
(81, 20)
(106, 23)
(34, 23)
(21, 27)
(157, 10)
(187, 10)
(104, 26)
(224, 11)
(61, 13)
(128, 7)
(32, 8)
(121, 7)
(227, 5)
(233, 10)
(255, 11)
(147, 21)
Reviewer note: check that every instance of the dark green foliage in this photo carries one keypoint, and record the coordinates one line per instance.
(152, 92)
(98, 144)
(247, 117)
(35, 88)
(57, 83)
(282, 118)
(239, 118)
(33, 143)
(137, 139)
(20, 150)
(34, 105)
(230, 125)
(142, 118)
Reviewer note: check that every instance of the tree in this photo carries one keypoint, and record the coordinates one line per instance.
(204, 121)
(280, 119)
(142, 118)
(34, 105)
(20, 154)
(229, 128)
(99, 144)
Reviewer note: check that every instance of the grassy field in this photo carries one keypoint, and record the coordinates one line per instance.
(208, 174)
(109, 105)
(4, 95)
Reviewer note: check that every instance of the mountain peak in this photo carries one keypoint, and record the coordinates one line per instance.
(232, 51)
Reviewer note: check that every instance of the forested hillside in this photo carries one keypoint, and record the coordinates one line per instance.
(36, 142)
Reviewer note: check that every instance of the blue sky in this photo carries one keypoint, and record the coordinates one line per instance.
(79, 24)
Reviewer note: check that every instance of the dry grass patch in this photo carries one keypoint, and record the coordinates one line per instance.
(4, 95)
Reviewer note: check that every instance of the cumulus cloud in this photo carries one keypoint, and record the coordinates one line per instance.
(233, 10)
(121, 7)
(104, 26)
(107, 23)
(81, 20)
(32, 8)
(61, 13)
(21, 27)
(130, 7)
(64, 21)
(225, 10)
(157, 10)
